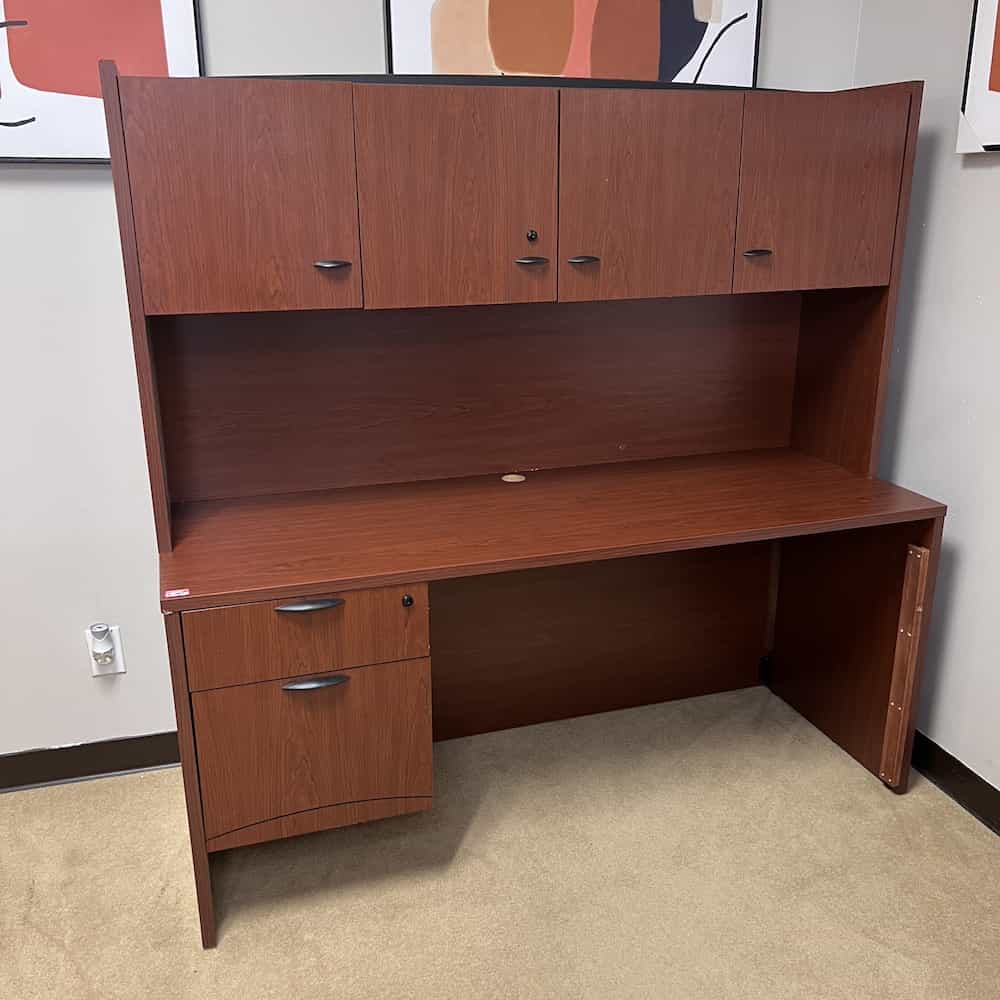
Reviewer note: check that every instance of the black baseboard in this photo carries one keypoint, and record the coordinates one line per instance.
(972, 793)
(37, 767)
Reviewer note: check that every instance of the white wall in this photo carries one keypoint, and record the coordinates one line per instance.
(76, 531)
(76, 540)
(942, 432)
(293, 36)
(808, 44)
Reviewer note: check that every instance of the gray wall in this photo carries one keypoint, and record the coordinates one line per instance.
(293, 36)
(943, 424)
(76, 540)
(808, 44)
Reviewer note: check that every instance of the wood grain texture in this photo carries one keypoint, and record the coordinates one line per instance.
(929, 538)
(190, 774)
(276, 403)
(820, 185)
(450, 180)
(835, 635)
(148, 401)
(513, 649)
(254, 642)
(839, 375)
(904, 668)
(845, 346)
(238, 186)
(265, 753)
(648, 182)
(896, 277)
(314, 820)
(237, 551)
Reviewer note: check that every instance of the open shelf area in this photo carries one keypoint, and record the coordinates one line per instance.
(235, 551)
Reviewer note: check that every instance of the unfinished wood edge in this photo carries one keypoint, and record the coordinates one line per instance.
(902, 688)
(323, 818)
(189, 770)
(930, 537)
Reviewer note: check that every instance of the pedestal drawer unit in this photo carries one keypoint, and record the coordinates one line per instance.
(276, 748)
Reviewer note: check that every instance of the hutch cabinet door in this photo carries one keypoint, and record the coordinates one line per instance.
(819, 188)
(648, 184)
(457, 188)
(244, 194)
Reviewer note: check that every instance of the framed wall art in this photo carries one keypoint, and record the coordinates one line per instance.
(685, 41)
(50, 94)
(979, 120)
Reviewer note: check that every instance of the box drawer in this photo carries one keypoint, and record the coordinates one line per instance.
(281, 747)
(302, 635)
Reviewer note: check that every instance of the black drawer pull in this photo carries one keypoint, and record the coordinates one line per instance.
(757, 253)
(331, 265)
(532, 260)
(583, 258)
(301, 606)
(315, 683)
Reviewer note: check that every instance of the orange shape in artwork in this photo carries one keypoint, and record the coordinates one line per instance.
(529, 36)
(58, 49)
(625, 44)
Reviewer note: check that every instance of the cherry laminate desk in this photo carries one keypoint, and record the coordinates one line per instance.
(356, 304)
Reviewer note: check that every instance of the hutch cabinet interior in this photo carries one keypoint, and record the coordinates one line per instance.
(356, 305)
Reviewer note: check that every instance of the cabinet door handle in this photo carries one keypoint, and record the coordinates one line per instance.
(315, 683)
(583, 258)
(319, 605)
(532, 260)
(757, 253)
(331, 265)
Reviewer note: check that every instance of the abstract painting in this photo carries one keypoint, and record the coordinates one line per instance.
(979, 121)
(687, 41)
(50, 94)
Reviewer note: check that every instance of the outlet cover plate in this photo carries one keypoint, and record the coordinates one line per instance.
(117, 665)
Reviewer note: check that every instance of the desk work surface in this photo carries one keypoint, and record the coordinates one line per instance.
(235, 551)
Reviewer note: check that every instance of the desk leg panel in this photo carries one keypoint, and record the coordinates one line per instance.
(911, 645)
(189, 768)
(836, 658)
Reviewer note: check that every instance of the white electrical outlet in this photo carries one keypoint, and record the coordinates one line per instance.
(104, 643)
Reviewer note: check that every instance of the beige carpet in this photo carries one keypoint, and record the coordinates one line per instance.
(714, 848)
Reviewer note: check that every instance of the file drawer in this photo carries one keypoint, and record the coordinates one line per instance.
(282, 747)
(271, 639)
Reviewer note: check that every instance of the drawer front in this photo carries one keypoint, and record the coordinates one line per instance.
(259, 642)
(265, 750)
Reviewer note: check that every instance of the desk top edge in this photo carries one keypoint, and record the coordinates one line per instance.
(247, 550)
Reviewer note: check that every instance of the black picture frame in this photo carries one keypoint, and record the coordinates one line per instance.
(968, 58)
(990, 147)
(387, 17)
(104, 160)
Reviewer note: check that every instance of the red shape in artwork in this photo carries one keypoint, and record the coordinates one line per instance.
(58, 49)
(995, 62)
